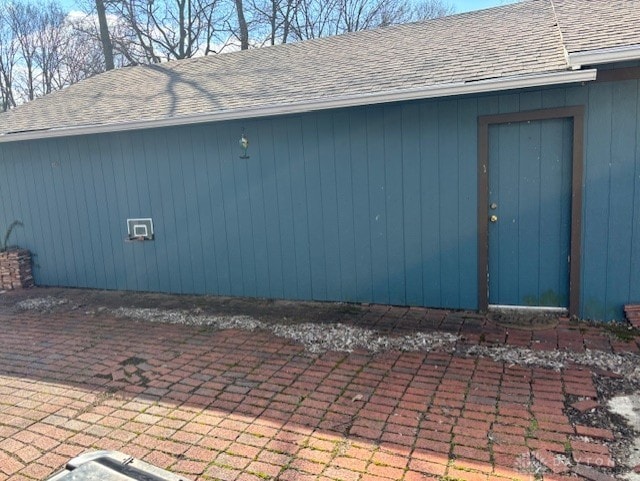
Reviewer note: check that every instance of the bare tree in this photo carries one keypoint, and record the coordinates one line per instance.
(36, 32)
(158, 30)
(36, 37)
(355, 15)
(82, 50)
(114, 31)
(172, 29)
(22, 18)
(49, 33)
(318, 18)
(105, 39)
(243, 30)
(432, 9)
(281, 21)
(8, 60)
(41, 51)
(270, 20)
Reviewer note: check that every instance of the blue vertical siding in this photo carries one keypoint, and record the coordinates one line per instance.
(596, 200)
(467, 198)
(394, 240)
(377, 201)
(449, 203)
(361, 206)
(369, 204)
(634, 267)
(245, 200)
(324, 140)
(344, 197)
(611, 161)
(298, 199)
(430, 205)
(314, 214)
(285, 211)
(621, 192)
(411, 205)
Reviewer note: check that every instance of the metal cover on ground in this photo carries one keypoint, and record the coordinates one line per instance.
(112, 466)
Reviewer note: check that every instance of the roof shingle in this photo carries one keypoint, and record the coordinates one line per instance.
(507, 41)
(598, 24)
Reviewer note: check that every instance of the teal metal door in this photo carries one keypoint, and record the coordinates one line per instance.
(529, 213)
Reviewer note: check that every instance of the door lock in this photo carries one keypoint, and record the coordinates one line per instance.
(493, 218)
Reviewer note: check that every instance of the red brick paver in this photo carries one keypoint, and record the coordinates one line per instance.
(236, 405)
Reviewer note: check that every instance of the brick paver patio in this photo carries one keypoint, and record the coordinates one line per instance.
(239, 405)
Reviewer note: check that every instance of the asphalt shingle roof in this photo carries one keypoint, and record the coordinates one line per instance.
(511, 40)
(598, 24)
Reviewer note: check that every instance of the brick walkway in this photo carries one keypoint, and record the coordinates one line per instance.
(237, 405)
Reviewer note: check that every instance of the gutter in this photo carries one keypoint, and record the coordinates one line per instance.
(604, 55)
(446, 90)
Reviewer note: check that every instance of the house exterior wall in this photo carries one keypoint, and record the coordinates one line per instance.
(372, 204)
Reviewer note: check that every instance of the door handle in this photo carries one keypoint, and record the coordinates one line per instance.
(493, 218)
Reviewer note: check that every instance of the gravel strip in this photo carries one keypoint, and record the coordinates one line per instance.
(626, 364)
(41, 304)
(340, 337)
(316, 338)
(189, 318)
(321, 337)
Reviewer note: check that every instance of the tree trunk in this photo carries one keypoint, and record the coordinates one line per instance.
(107, 47)
(242, 26)
(274, 13)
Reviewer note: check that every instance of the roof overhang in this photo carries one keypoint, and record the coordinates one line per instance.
(604, 55)
(435, 91)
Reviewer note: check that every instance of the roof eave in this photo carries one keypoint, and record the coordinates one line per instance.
(446, 90)
(604, 55)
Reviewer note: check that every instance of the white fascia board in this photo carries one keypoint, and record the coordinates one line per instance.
(604, 55)
(447, 90)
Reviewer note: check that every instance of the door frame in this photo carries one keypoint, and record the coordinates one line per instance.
(576, 113)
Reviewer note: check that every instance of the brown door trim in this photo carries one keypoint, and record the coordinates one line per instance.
(575, 113)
